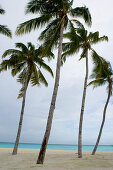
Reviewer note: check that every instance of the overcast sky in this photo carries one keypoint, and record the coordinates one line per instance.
(67, 110)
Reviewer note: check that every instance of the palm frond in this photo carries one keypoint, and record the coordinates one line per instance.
(34, 76)
(71, 50)
(94, 38)
(52, 37)
(21, 92)
(72, 30)
(40, 51)
(42, 6)
(10, 52)
(22, 76)
(51, 27)
(2, 11)
(82, 12)
(82, 34)
(102, 72)
(5, 31)
(83, 54)
(66, 46)
(78, 23)
(35, 6)
(22, 79)
(97, 82)
(22, 47)
(31, 47)
(32, 24)
(99, 65)
(5, 65)
(17, 69)
(42, 78)
(46, 67)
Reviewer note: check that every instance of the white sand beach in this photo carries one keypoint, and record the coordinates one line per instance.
(55, 160)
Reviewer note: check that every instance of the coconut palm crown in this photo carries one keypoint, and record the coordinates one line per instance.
(3, 28)
(80, 39)
(52, 13)
(24, 59)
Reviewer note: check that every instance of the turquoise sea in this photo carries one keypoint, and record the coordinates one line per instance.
(102, 148)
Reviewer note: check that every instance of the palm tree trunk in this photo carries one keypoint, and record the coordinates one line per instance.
(103, 121)
(82, 110)
(41, 156)
(21, 116)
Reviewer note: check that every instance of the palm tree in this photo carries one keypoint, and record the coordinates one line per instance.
(27, 63)
(55, 15)
(101, 77)
(3, 28)
(80, 39)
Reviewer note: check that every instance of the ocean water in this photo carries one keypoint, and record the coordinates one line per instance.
(102, 148)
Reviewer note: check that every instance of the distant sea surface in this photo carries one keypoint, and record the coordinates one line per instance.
(101, 148)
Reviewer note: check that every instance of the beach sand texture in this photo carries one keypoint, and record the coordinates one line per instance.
(55, 160)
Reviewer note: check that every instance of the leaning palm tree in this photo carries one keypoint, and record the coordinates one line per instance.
(101, 77)
(80, 39)
(26, 62)
(55, 16)
(3, 28)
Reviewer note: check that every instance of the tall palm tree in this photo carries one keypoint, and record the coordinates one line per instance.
(3, 28)
(80, 39)
(27, 63)
(101, 77)
(55, 16)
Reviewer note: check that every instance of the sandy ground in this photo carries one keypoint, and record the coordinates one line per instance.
(54, 160)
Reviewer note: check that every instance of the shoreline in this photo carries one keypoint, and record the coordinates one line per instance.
(30, 149)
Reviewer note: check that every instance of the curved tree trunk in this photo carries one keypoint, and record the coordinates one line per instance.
(82, 110)
(41, 156)
(21, 117)
(102, 124)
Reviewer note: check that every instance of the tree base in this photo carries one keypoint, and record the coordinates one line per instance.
(79, 156)
(14, 153)
(93, 153)
(39, 162)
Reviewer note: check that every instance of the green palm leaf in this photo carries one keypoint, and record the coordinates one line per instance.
(35, 6)
(46, 67)
(97, 82)
(32, 24)
(94, 37)
(21, 92)
(2, 11)
(82, 12)
(17, 69)
(22, 47)
(11, 52)
(5, 31)
(51, 27)
(35, 77)
(42, 78)
(78, 23)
